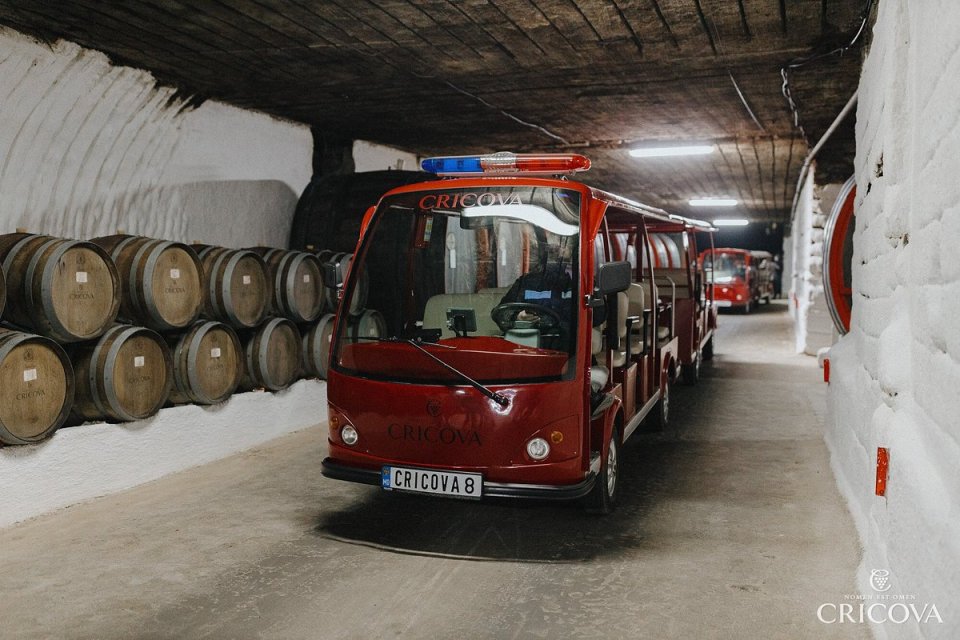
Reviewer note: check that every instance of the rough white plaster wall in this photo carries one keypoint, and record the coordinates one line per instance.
(91, 460)
(87, 148)
(368, 156)
(896, 375)
(813, 328)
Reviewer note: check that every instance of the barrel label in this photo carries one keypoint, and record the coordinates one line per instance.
(29, 375)
(306, 277)
(175, 290)
(82, 295)
(139, 361)
(175, 274)
(33, 393)
(82, 277)
(215, 352)
(246, 279)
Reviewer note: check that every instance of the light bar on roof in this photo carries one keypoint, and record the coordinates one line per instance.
(505, 163)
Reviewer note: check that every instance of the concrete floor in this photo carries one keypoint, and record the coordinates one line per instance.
(730, 527)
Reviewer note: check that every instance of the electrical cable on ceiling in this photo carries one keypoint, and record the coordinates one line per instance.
(542, 130)
(801, 62)
(743, 99)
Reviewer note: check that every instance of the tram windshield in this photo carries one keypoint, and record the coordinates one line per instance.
(484, 279)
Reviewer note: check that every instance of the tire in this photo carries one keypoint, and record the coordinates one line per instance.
(707, 353)
(691, 372)
(661, 415)
(603, 498)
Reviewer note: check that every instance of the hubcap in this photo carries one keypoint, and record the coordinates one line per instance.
(612, 468)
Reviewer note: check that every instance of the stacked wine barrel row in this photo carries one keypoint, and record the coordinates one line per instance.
(361, 322)
(261, 293)
(67, 291)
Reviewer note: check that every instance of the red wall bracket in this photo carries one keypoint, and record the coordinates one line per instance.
(826, 370)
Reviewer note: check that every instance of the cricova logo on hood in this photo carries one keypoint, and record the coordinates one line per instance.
(456, 200)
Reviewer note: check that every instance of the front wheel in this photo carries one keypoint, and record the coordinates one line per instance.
(603, 497)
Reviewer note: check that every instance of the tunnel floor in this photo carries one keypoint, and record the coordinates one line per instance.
(730, 526)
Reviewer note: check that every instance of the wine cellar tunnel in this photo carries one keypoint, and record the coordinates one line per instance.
(183, 186)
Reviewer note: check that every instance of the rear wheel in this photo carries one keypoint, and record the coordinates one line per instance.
(661, 418)
(603, 497)
(691, 372)
(708, 349)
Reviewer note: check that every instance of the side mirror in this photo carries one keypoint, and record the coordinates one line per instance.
(613, 277)
(332, 275)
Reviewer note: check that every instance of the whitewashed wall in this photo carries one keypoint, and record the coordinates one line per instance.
(87, 148)
(369, 156)
(813, 328)
(896, 375)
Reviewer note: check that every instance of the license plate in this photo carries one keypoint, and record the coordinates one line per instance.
(446, 483)
(723, 303)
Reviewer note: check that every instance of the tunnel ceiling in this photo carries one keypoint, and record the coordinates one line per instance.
(459, 76)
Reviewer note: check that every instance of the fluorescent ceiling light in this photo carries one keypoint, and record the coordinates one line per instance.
(661, 152)
(731, 222)
(713, 202)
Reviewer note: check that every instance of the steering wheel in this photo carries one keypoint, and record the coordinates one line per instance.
(505, 315)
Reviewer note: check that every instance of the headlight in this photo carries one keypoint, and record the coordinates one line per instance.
(349, 435)
(538, 449)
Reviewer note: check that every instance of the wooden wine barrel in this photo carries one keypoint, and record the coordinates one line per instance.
(161, 281)
(236, 288)
(316, 347)
(64, 289)
(125, 375)
(359, 300)
(324, 257)
(297, 278)
(36, 387)
(3, 292)
(207, 363)
(271, 355)
(369, 324)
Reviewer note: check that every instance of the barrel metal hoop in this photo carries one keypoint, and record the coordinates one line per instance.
(158, 247)
(227, 296)
(262, 352)
(92, 378)
(192, 352)
(5, 350)
(125, 334)
(46, 285)
(218, 306)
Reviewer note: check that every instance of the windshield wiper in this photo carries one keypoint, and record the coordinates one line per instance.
(499, 398)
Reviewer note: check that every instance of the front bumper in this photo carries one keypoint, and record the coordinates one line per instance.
(338, 471)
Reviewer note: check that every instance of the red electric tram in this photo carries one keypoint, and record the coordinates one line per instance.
(682, 284)
(741, 278)
(516, 354)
